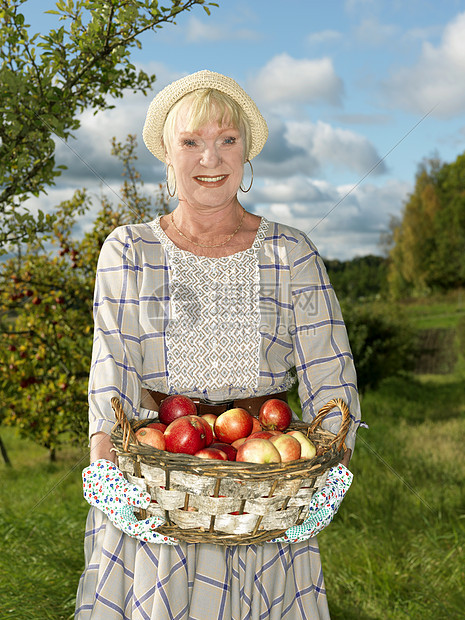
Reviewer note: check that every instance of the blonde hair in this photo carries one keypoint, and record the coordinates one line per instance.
(204, 105)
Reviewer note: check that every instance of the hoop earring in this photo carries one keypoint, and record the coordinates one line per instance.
(251, 180)
(173, 193)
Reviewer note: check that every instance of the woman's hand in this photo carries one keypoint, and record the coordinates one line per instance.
(323, 506)
(106, 488)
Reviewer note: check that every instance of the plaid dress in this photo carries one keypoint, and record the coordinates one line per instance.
(217, 328)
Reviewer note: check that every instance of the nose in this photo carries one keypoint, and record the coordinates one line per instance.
(211, 158)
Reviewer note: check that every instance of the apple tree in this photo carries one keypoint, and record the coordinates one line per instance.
(47, 80)
(46, 324)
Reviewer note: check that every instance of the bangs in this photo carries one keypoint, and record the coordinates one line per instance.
(210, 105)
(206, 105)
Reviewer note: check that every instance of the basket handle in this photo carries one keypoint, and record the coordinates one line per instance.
(121, 419)
(341, 435)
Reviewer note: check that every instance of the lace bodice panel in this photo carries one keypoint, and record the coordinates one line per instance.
(213, 333)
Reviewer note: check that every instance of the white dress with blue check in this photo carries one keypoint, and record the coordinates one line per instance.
(216, 328)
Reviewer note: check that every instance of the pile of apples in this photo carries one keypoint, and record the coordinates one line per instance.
(234, 435)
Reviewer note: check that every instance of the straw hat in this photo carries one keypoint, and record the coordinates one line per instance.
(166, 98)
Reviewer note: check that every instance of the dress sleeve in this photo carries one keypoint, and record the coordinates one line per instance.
(323, 359)
(116, 367)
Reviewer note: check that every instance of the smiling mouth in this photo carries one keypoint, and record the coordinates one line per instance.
(217, 179)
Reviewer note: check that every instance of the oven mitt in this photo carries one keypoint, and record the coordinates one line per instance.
(323, 506)
(106, 488)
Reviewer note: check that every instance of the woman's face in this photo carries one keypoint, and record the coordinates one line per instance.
(208, 162)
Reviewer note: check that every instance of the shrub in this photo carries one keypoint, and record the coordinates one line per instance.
(382, 341)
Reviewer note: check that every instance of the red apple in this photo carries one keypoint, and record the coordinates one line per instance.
(287, 446)
(233, 424)
(175, 406)
(227, 448)
(211, 419)
(158, 425)
(185, 435)
(152, 437)
(308, 449)
(275, 414)
(258, 451)
(261, 435)
(212, 453)
(256, 427)
(208, 431)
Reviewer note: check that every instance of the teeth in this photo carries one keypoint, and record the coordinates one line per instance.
(211, 179)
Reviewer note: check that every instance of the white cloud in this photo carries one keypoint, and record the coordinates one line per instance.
(363, 119)
(203, 32)
(343, 222)
(372, 32)
(422, 34)
(323, 36)
(289, 80)
(437, 79)
(334, 146)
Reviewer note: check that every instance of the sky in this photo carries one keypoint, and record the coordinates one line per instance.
(356, 94)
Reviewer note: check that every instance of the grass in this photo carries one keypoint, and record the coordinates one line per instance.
(438, 311)
(42, 517)
(394, 551)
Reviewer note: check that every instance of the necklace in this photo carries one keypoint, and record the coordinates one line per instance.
(215, 245)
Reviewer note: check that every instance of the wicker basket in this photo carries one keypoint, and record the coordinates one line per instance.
(225, 502)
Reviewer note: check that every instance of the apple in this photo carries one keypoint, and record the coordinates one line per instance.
(288, 447)
(158, 425)
(212, 453)
(239, 442)
(256, 427)
(227, 448)
(208, 431)
(261, 435)
(185, 435)
(258, 451)
(152, 437)
(233, 424)
(175, 406)
(308, 449)
(275, 414)
(211, 419)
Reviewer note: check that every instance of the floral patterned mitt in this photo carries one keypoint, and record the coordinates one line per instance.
(106, 488)
(323, 506)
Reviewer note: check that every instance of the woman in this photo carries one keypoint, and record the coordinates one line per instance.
(218, 304)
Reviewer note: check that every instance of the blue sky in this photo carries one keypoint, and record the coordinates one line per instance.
(356, 94)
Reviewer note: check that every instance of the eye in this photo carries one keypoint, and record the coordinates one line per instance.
(189, 142)
(230, 140)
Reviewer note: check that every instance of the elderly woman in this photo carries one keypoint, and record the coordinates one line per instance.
(218, 304)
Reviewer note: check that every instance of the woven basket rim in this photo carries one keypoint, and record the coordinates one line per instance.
(122, 435)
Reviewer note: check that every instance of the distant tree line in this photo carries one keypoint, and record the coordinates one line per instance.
(360, 278)
(427, 252)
